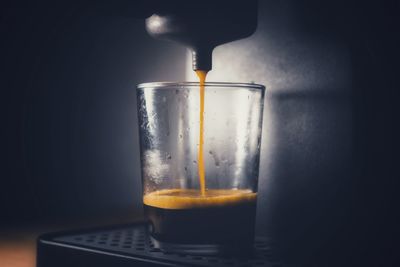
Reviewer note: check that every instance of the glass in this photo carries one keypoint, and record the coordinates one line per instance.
(182, 218)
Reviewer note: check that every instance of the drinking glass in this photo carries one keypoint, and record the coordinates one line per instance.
(182, 217)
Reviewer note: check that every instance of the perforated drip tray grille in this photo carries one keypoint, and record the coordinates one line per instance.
(134, 241)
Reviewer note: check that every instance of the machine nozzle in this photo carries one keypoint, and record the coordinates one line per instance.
(202, 59)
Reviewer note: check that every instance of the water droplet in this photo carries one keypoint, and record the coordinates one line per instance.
(210, 152)
(194, 162)
(169, 156)
(180, 136)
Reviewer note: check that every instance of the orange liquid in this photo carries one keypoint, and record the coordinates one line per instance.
(200, 156)
(177, 199)
(221, 216)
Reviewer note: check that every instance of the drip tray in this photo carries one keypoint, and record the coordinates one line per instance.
(130, 245)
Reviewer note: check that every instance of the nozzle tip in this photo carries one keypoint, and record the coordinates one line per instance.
(202, 59)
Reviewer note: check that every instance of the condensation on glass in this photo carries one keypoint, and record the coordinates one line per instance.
(169, 130)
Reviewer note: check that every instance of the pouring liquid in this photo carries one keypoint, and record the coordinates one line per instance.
(200, 155)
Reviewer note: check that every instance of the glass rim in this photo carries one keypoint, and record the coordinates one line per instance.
(154, 85)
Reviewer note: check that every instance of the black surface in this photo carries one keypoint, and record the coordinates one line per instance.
(129, 245)
(68, 118)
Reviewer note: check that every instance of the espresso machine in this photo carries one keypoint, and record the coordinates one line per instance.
(200, 28)
(331, 76)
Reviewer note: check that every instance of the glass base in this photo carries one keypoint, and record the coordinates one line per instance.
(202, 249)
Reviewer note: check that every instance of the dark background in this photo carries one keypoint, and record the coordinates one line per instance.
(328, 177)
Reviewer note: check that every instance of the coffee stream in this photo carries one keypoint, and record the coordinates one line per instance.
(200, 159)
